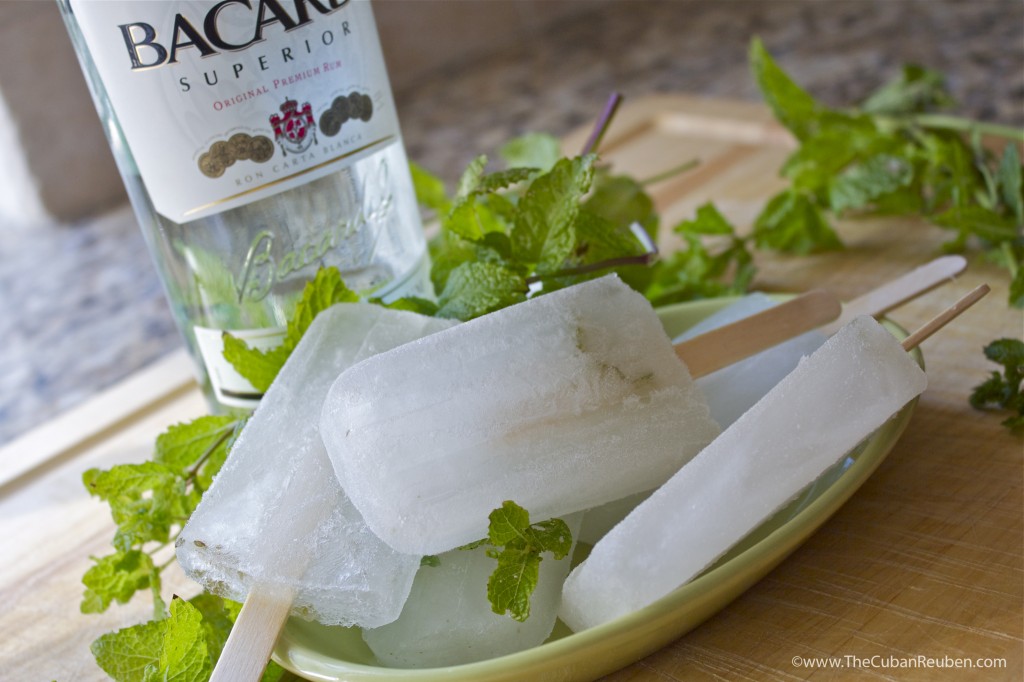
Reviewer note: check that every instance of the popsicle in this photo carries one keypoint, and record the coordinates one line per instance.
(834, 399)
(275, 520)
(448, 620)
(562, 403)
(732, 390)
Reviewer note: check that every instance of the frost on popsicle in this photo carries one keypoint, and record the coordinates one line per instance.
(834, 399)
(567, 401)
(276, 516)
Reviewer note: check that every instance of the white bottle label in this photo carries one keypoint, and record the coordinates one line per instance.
(229, 102)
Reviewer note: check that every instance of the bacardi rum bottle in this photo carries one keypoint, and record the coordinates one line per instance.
(258, 141)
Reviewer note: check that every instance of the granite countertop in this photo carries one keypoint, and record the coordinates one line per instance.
(85, 307)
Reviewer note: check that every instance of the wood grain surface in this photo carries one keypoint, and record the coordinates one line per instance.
(926, 560)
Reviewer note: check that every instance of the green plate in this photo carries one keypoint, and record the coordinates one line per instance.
(319, 652)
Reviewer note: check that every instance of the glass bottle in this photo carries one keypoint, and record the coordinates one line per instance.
(258, 141)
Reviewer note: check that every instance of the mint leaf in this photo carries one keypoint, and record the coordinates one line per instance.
(708, 220)
(518, 545)
(793, 223)
(145, 501)
(182, 445)
(831, 149)
(261, 367)
(474, 289)
(182, 647)
(622, 201)
(948, 170)
(471, 177)
(126, 654)
(861, 184)
(513, 582)
(509, 523)
(1003, 390)
(117, 577)
(543, 232)
(1011, 191)
(326, 290)
(976, 220)
(472, 218)
(915, 90)
(794, 108)
(533, 150)
(600, 248)
(505, 179)
(184, 656)
(212, 280)
(412, 304)
(217, 620)
(447, 252)
(429, 188)
(1017, 287)
(714, 262)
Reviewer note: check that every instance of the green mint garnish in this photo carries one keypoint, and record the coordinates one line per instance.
(518, 545)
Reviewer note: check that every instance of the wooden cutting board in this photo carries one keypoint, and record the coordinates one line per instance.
(926, 560)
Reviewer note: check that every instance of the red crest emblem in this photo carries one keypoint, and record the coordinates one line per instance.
(294, 127)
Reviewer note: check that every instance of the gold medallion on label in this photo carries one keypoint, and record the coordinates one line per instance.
(210, 166)
(261, 148)
(240, 146)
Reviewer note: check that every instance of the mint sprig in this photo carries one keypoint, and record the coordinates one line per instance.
(518, 545)
(149, 503)
(1004, 390)
(715, 262)
(891, 156)
(556, 224)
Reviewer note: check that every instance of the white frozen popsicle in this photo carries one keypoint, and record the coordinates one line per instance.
(834, 399)
(448, 620)
(732, 390)
(567, 401)
(276, 517)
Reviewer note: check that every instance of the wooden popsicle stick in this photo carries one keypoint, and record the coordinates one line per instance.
(900, 290)
(247, 649)
(733, 342)
(945, 317)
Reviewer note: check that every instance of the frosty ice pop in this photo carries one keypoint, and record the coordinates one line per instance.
(568, 400)
(561, 403)
(807, 422)
(275, 516)
(732, 390)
